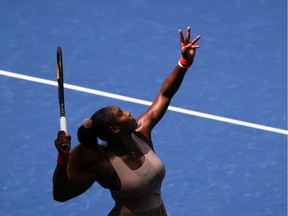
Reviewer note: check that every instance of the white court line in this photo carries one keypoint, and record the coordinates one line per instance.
(144, 102)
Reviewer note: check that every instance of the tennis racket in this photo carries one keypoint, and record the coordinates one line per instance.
(60, 79)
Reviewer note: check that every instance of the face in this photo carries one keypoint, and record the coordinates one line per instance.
(122, 120)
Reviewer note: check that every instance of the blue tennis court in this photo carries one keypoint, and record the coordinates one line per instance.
(224, 139)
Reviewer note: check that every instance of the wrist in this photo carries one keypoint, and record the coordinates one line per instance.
(184, 63)
(63, 159)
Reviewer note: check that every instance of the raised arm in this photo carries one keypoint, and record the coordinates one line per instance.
(170, 86)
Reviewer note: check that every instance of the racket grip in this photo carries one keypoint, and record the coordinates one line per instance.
(63, 124)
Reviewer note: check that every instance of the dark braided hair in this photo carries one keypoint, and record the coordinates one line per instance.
(95, 127)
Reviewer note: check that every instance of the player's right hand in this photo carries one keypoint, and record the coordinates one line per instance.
(63, 143)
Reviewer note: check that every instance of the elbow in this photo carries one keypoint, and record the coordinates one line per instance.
(59, 197)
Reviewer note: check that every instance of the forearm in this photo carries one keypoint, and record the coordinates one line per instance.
(166, 93)
(173, 82)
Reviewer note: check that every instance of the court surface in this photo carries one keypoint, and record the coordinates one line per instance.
(224, 139)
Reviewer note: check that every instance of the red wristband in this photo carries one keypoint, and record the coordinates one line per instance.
(63, 159)
(185, 63)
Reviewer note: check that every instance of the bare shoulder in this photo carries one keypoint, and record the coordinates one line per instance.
(144, 125)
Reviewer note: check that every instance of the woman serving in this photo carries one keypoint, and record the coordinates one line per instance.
(127, 164)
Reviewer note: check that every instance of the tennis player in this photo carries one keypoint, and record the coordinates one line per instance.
(127, 164)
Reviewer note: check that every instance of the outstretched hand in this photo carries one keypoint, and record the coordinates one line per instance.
(63, 143)
(188, 49)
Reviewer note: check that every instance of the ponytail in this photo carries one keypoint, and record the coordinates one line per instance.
(87, 134)
(95, 127)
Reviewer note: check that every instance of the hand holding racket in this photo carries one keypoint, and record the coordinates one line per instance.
(63, 125)
(62, 142)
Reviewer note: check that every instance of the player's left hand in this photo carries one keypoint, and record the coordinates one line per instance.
(188, 49)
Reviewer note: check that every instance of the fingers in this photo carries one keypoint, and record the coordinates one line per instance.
(63, 137)
(187, 40)
(195, 39)
(181, 36)
(192, 44)
(63, 140)
(188, 34)
(65, 146)
(61, 133)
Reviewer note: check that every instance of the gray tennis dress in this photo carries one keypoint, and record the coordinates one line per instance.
(140, 193)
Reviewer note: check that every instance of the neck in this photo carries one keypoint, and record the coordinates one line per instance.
(121, 143)
(124, 145)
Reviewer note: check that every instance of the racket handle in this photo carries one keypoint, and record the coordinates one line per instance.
(63, 124)
(63, 127)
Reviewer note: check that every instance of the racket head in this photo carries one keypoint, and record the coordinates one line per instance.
(60, 79)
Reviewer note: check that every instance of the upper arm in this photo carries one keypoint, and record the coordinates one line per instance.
(64, 188)
(77, 169)
(148, 120)
(156, 111)
(74, 180)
